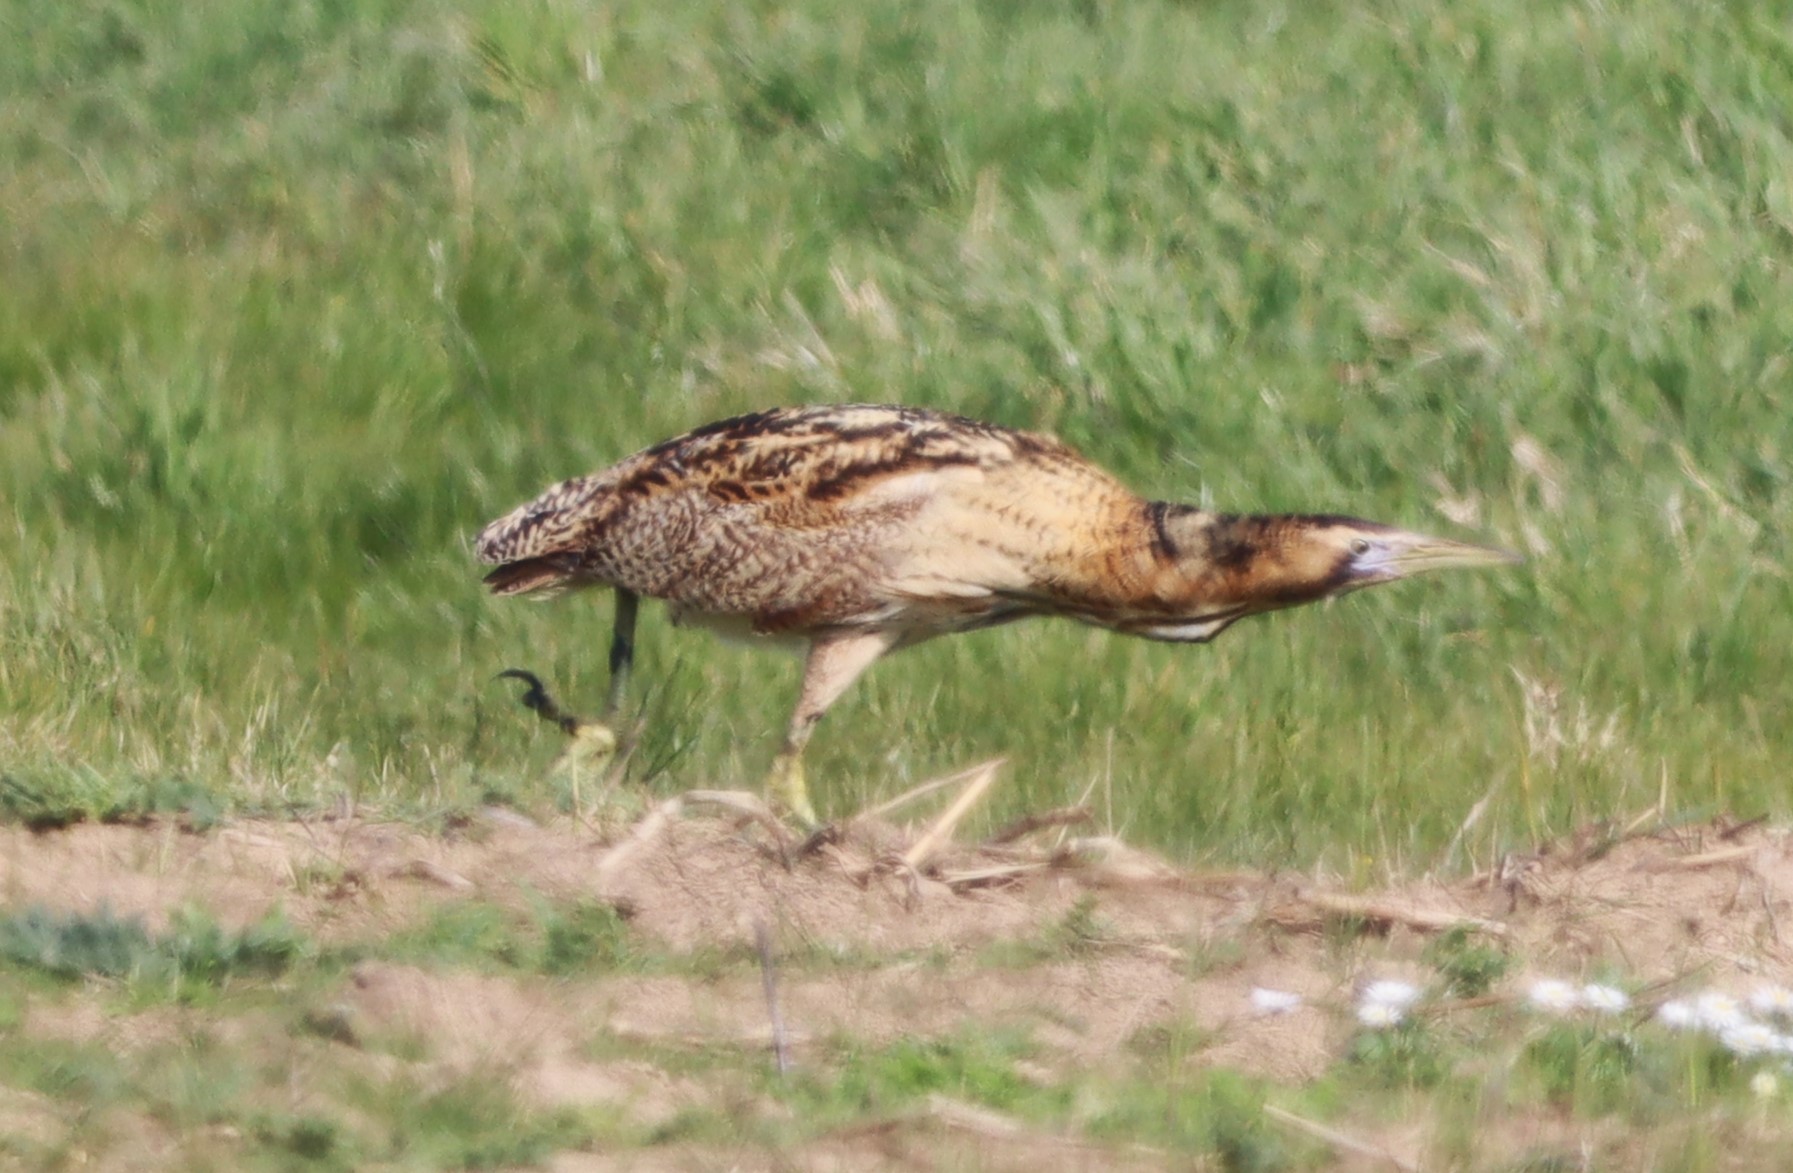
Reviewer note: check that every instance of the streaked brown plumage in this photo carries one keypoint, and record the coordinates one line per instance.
(864, 529)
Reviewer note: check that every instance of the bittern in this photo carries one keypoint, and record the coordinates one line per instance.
(859, 530)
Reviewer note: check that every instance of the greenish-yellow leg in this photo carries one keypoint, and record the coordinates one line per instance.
(785, 785)
(835, 661)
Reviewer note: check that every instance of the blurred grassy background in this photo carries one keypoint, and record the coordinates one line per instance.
(296, 296)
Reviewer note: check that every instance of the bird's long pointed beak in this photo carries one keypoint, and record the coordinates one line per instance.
(1410, 554)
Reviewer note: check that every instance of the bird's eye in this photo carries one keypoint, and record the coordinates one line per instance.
(1360, 546)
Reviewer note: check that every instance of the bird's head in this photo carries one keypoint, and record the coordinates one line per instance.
(1266, 562)
(1324, 556)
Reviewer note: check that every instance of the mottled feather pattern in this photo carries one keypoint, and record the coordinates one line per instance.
(830, 516)
(918, 523)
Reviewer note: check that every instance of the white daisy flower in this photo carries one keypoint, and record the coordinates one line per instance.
(1553, 996)
(1677, 1015)
(1718, 1012)
(1389, 992)
(1772, 1001)
(1747, 1038)
(1380, 1015)
(1604, 999)
(1273, 1001)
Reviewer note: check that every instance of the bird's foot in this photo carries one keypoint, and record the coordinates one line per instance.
(535, 698)
(788, 792)
(591, 745)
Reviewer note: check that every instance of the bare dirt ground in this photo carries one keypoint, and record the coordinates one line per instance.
(1086, 945)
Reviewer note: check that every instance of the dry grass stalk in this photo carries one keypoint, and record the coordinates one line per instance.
(979, 778)
(646, 831)
(855, 865)
(1337, 1139)
(1712, 859)
(423, 869)
(1064, 816)
(1469, 821)
(1649, 817)
(1372, 908)
(971, 1118)
(1736, 831)
(749, 806)
(781, 1051)
(917, 792)
(957, 1114)
(1106, 859)
(994, 874)
(504, 816)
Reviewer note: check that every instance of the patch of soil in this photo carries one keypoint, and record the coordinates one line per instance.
(1099, 955)
(28, 1118)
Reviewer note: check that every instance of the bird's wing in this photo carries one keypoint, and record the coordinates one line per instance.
(797, 517)
(793, 463)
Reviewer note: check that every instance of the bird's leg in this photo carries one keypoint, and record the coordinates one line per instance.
(834, 663)
(589, 742)
(622, 649)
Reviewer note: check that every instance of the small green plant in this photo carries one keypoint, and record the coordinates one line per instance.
(203, 951)
(561, 940)
(1082, 930)
(470, 933)
(1686, 1071)
(980, 1068)
(194, 953)
(1584, 1067)
(90, 1076)
(586, 937)
(75, 945)
(471, 1123)
(975, 1068)
(1405, 1056)
(1220, 1113)
(1468, 965)
(313, 1139)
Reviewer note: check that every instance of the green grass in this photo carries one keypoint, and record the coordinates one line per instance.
(298, 296)
(205, 1049)
(190, 957)
(223, 1109)
(558, 940)
(59, 796)
(864, 1081)
(581, 938)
